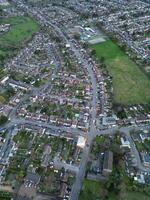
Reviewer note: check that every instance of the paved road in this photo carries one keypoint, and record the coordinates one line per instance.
(42, 19)
(59, 165)
(46, 125)
(80, 176)
(6, 148)
(82, 168)
(135, 151)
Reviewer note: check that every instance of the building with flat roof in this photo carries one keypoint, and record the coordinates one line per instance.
(32, 178)
(125, 142)
(146, 159)
(81, 142)
(108, 163)
(108, 121)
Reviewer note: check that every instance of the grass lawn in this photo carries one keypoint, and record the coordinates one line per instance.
(148, 34)
(21, 29)
(130, 84)
(136, 196)
(91, 191)
(5, 195)
(139, 146)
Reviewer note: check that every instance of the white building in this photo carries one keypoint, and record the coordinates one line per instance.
(81, 142)
(125, 142)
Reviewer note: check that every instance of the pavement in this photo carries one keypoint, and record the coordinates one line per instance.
(93, 132)
(70, 167)
(7, 146)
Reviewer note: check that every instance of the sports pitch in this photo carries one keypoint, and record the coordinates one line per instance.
(130, 84)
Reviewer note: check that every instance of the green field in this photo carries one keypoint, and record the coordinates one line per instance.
(130, 84)
(148, 34)
(21, 30)
(91, 191)
(136, 196)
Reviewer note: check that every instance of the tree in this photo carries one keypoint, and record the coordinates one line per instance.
(93, 52)
(85, 45)
(2, 100)
(77, 36)
(3, 119)
(102, 59)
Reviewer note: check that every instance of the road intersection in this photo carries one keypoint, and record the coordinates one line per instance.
(92, 131)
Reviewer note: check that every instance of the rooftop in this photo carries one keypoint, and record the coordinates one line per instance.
(108, 161)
